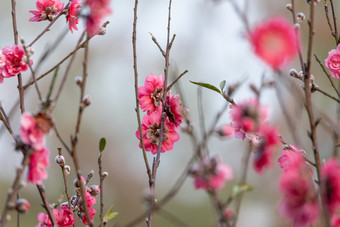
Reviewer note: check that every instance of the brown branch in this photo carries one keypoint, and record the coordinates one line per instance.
(46, 205)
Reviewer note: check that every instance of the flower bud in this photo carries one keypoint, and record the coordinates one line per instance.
(78, 80)
(294, 73)
(105, 174)
(22, 205)
(67, 169)
(60, 160)
(87, 100)
(102, 31)
(289, 6)
(94, 190)
(77, 184)
(300, 17)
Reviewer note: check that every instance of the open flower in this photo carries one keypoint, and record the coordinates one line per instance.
(31, 133)
(63, 217)
(72, 15)
(289, 157)
(151, 132)
(39, 160)
(98, 10)
(333, 62)
(275, 42)
(151, 94)
(47, 10)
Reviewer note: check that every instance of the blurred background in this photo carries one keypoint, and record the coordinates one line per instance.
(210, 43)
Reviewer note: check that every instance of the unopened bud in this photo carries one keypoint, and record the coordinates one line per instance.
(22, 205)
(102, 31)
(60, 160)
(300, 17)
(297, 26)
(77, 184)
(105, 174)
(94, 190)
(67, 169)
(87, 100)
(73, 200)
(78, 80)
(289, 6)
(294, 73)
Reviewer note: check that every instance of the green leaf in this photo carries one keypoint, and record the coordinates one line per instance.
(102, 144)
(209, 86)
(222, 85)
(338, 145)
(240, 188)
(109, 214)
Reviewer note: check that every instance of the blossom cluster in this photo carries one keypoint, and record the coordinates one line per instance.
(151, 101)
(13, 61)
(333, 62)
(248, 120)
(32, 131)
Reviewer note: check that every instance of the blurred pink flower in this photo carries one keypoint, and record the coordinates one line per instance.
(63, 217)
(72, 15)
(300, 200)
(275, 42)
(289, 157)
(335, 221)
(47, 10)
(211, 174)
(12, 61)
(226, 130)
(98, 10)
(151, 94)
(90, 201)
(333, 62)
(39, 160)
(264, 150)
(31, 133)
(247, 116)
(330, 184)
(151, 129)
(173, 110)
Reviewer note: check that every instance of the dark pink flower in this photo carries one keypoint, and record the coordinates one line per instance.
(333, 62)
(289, 157)
(12, 61)
(330, 181)
(151, 94)
(211, 174)
(63, 217)
(264, 150)
(31, 133)
(39, 160)
(173, 110)
(90, 201)
(300, 200)
(98, 10)
(151, 129)
(72, 15)
(47, 10)
(275, 42)
(247, 116)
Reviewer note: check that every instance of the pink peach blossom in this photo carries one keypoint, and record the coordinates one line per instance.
(226, 130)
(173, 110)
(63, 218)
(98, 10)
(47, 10)
(275, 42)
(211, 174)
(151, 94)
(12, 61)
(39, 160)
(72, 15)
(31, 133)
(90, 201)
(289, 157)
(330, 181)
(335, 221)
(150, 131)
(333, 62)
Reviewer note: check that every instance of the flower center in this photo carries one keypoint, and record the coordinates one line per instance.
(157, 96)
(153, 132)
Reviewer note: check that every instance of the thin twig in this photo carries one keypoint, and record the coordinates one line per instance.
(101, 180)
(46, 205)
(176, 80)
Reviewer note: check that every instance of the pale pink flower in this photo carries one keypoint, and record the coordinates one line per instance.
(247, 116)
(39, 160)
(211, 174)
(12, 61)
(333, 62)
(275, 42)
(63, 218)
(151, 94)
(31, 133)
(264, 150)
(72, 15)
(98, 10)
(300, 200)
(151, 129)
(330, 184)
(173, 110)
(47, 10)
(289, 157)
(226, 130)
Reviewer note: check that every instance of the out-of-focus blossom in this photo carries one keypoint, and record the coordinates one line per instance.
(12, 61)
(90, 201)
(39, 160)
(173, 110)
(211, 174)
(289, 157)
(151, 132)
(31, 133)
(47, 10)
(264, 150)
(247, 116)
(330, 184)
(151, 94)
(300, 200)
(98, 10)
(335, 221)
(63, 218)
(72, 15)
(22, 205)
(226, 130)
(275, 42)
(333, 62)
